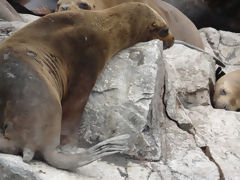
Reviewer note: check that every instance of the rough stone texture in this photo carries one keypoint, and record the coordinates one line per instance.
(123, 101)
(219, 130)
(171, 119)
(188, 86)
(8, 28)
(13, 168)
(223, 44)
(190, 74)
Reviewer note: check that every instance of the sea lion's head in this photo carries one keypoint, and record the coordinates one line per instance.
(227, 92)
(66, 5)
(157, 27)
(159, 30)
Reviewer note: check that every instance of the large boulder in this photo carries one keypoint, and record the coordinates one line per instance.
(127, 98)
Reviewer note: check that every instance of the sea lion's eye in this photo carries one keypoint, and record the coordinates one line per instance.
(223, 92)
(163, 32)
(238, 110)
(84, 6)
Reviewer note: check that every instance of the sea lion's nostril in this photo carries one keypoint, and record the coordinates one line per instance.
(163, 32)
(64, 7)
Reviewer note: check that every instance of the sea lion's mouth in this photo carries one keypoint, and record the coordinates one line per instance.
(168, 43)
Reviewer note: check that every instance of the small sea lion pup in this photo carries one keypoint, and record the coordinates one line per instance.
(40, 63)
(180, 26)
(227, 92)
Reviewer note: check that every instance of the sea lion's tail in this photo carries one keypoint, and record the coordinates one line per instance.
(73, 161)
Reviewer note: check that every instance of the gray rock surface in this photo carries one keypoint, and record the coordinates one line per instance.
(223, 44)
(13, 168)
(164, 101)
(125, 99)
(8, 28)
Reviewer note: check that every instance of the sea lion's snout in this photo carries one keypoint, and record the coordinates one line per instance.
(64, 7)
(168, 43)
(158, 31)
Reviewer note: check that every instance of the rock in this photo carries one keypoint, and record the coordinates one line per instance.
(8, 28)
(219, 131)
(28, 18)
(225, 45)
(190, 75)
(125, 99)
(179, 152)
(187, 99)
(13, 168)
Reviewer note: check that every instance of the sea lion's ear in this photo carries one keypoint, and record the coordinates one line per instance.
(154, 27)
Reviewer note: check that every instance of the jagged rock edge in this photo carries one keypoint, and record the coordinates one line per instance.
(182, 127)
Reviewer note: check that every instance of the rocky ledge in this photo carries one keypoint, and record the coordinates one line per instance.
(163, 100)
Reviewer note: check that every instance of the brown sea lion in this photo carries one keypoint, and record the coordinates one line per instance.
(180, 26)
(227, 92)
(219, 14)
(51, 58)
(8, 13)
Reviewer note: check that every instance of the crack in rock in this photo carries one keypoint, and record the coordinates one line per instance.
(123, 174)
(207, 152)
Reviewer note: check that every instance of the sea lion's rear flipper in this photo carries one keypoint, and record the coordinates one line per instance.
(8, 146)
(28, 154)
(73, 161)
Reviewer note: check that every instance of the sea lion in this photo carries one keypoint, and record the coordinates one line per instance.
(180, 26)
(219, 14)
(47, 60)
(227, 92)
(8, 13)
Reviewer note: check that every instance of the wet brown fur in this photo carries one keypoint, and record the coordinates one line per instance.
(181, 27)
(40, 71)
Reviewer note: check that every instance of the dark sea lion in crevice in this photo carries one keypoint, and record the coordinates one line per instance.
(54, 56)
